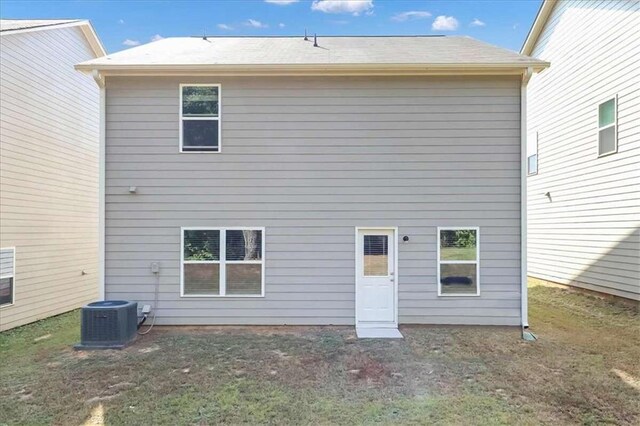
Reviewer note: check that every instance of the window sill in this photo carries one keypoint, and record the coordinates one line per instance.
(210, 296)
(606, 154)
(459, 295)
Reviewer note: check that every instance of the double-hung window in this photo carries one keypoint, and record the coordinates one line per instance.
(532, 154)
(608, 127)
(222, 262)
(7, 275)
(458, 261)
(199, 118)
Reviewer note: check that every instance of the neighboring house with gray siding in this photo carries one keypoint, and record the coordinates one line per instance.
(584, 133)
(49, 145)
(368, 181)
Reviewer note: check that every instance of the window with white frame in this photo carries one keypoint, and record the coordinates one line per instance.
(7, 275)
(459, 261)
(532, 153)
(199, 117)
(607, 127)
(222, 262)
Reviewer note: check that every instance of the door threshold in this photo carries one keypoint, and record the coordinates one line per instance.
(378, 333)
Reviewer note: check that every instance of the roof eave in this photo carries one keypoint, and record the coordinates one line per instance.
(93, 39)
(85, 26)
(315, 69)
(538, 25)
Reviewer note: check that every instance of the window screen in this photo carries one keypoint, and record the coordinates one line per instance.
(458, 262)
(200, 118)
(222, 262)
(607, 127)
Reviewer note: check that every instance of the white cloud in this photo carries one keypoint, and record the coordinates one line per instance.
(445, 23)
(255, 24)
(129, 42)
(281, 25)
(120, 21)
(411, 15)
(156, 37)
(354, 7)
(224, 27)
(281, 2)
(477, 23)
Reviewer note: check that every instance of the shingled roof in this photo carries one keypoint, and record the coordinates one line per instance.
(212, 53)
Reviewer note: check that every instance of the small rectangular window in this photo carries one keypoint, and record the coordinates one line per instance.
(532, 153)
(532, 165)
(376, 255)
(458, 261)
(200, 118)
(607, 127)
(7, 275)
(222, 262)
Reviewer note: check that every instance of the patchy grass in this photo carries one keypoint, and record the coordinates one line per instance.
(458, 253)
(583, 369)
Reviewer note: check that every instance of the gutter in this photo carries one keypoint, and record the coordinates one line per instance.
(524, 302)
(100, 81)
(312, 69)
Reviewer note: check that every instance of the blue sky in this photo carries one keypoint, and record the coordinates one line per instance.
(122, 24)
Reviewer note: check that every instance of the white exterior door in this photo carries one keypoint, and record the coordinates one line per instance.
(376, 278)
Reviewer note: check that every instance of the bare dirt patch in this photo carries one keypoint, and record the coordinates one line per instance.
(363, 367)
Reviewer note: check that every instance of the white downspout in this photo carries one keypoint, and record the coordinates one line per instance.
(101, 182)
(524, 302)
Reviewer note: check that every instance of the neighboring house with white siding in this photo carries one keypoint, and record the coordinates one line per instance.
(367, 181)
(584, 146)
(49, 146)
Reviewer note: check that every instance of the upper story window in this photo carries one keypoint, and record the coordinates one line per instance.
(7, 275)
(458, 261)
(199, 118)
(532, 154)
(608, 127)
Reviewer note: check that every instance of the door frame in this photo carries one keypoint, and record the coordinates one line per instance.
(394, 229)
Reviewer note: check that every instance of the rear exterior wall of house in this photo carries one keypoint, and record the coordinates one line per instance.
(310, 159)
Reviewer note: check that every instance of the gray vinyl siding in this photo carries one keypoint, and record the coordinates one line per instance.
(310, 159)
(49, 125)
(588, 235)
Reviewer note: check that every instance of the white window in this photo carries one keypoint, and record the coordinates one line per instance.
(608, 127)
(532, 154)
(222, 262)
(200, 118)
(7, 275)
(459, 261)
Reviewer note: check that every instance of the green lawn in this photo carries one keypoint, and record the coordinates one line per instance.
(583, 369)
(458, 253)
